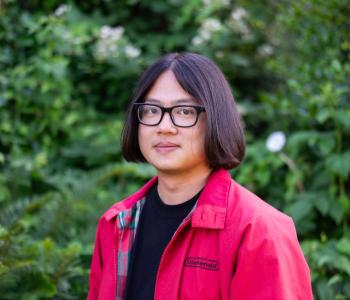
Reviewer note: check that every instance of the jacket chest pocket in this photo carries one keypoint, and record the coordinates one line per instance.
(200, 279)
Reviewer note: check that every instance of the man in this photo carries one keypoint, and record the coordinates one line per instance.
(192, 232)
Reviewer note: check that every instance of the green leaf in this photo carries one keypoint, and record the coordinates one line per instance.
(347, 289)
(343, 264)
(300, 138)
(2, 158)
(339, 164)
(345, 202)
(335, 279)
(343, 245)
(336, 211)
(300, 209)
(322, 203)
(326, 144)
(343, 118)
(324, 291)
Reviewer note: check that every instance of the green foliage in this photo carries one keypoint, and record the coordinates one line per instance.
(311, 104)
(67, 74)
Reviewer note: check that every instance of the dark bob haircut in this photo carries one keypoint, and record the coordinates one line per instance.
(203, 80)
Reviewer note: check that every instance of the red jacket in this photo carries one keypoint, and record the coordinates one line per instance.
(233, 245)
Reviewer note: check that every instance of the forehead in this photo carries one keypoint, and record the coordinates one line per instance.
(166, 90)
(171, 102)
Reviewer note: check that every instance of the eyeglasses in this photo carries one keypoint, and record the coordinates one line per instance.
(180, 115)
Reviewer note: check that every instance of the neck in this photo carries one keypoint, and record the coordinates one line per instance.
(176, 188)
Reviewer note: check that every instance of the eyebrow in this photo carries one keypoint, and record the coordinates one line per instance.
(174, 102)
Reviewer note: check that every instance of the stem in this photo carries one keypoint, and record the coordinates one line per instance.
(292, 166)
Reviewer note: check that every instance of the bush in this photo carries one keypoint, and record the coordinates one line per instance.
(67, 74)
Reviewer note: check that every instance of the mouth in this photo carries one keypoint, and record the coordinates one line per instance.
(166, 147)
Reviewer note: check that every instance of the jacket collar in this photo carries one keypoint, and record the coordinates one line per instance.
(210, 210)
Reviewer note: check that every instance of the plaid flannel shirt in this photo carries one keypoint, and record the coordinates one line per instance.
(128, 221)
(127, 226)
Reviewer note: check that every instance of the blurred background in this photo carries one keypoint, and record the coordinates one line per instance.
(67, 72)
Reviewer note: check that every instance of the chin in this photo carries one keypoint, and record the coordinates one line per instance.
(168, 168)
(166, 163)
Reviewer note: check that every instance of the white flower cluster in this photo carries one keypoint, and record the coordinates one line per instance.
(238, 21)
(206, 31)
(61, 10)
(66, 35)
(265, 50)
(238, 13)
(221, 3)
(132, 51)
(111, 33)
(276, 141)
(108, 44)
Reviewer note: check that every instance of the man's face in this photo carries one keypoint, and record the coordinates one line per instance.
(172, 149)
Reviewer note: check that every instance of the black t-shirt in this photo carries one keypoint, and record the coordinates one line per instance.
(158, 223)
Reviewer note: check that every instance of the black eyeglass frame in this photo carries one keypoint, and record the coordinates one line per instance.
(169, 110)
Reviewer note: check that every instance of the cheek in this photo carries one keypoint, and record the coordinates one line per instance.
(199, 146)
(197, 138)
(143, 138)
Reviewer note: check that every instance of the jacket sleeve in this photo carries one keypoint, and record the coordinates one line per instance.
(96, 266)
(270, 263)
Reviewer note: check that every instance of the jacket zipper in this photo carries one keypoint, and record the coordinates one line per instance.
(184, 223)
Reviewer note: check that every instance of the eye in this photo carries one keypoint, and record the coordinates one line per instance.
(150, 110)
(186, 111)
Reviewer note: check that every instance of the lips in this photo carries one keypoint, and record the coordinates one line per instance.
(165, 146)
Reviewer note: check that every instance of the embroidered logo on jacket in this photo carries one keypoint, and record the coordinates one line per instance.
(204, 263)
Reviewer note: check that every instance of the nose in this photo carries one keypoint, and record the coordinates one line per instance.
(166, 125)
